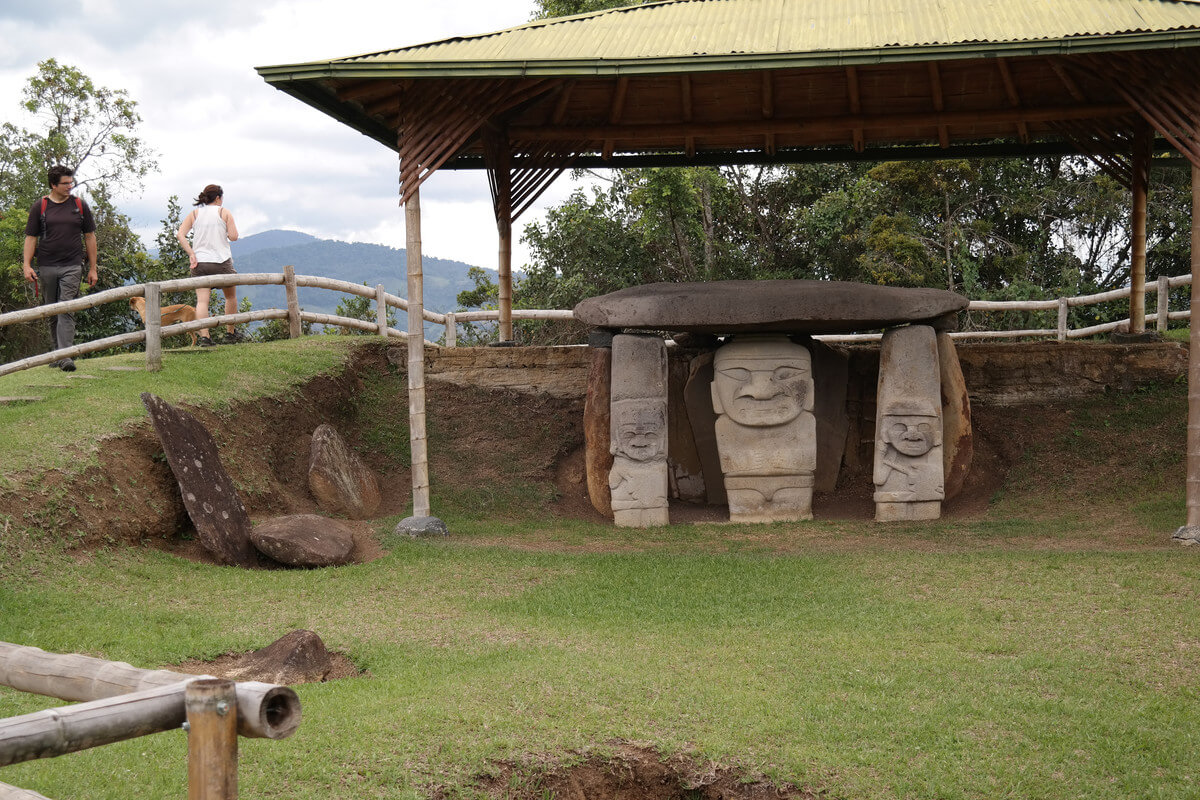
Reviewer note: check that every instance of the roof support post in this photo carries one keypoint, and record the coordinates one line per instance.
(418, 444)
(499, 157)
(1193, 429)
(1143, 141)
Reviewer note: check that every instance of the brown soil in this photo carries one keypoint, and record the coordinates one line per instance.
(631, 772)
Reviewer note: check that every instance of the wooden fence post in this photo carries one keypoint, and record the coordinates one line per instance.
(1062, 319)
(451, 330)
(153, 327)
(293, 301)
(1164, 303)
(381, 310)
(212, 739)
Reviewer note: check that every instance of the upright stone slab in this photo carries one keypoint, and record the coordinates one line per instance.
(908, 472)
(638, 478)
(222, 524)
(698, 397)
(337, 477)
(763, 394)
(958, 439)
(597, 428)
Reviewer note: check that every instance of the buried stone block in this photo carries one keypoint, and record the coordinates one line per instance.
(908, 475)
(338, 479)
(762, 391)
(638, 429)
(304, 540)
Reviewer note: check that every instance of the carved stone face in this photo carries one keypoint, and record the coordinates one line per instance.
(911, 434)
(639, 429)
(762, 383)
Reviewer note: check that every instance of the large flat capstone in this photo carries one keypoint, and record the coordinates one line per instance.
(781, 306)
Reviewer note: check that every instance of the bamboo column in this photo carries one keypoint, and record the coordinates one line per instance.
(212, 739)
(503, 179)
(1193, 437)
(418, 444)
(1143, 140)
(153, 327)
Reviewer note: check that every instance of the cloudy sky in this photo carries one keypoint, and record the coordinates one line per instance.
(212, 119)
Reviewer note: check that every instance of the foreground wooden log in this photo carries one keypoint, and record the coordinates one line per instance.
(15, 793)
(265, 711)
(56, 731)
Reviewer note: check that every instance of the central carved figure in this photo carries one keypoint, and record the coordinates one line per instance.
(762, 391)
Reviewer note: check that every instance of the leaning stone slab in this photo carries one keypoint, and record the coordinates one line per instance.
(958, 439)
(299, 657)
(421, 526)
(222, 524)
(338, 479)
(782, 306)
(304, 540)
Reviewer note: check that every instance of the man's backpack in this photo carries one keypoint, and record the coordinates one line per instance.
(46, 201)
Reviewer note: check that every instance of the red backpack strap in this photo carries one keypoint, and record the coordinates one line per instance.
(45, 200)
(79, 206)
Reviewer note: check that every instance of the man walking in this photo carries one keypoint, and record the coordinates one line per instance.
(60, 227)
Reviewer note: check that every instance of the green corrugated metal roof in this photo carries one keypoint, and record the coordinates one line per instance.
(695, 34)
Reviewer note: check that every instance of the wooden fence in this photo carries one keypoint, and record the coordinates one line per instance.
(123, 702)
(154, 330)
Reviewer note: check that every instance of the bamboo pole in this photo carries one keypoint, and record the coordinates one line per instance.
(1163, 303)
(56, 731)
(418, 444)
(1062, 319)
(381, 310)
(1193, 437)
(293, 302)
(153, 328)
(265, 711)
(212, 740)
(1142, 143)
(451, 330)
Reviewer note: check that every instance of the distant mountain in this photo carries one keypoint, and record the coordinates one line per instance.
(355, 262)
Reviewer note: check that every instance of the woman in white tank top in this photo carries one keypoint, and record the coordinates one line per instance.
(212, 228)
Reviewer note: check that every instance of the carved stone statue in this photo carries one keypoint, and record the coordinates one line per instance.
(762, 391)
(638, 480)
(909, 473)
(638, 441)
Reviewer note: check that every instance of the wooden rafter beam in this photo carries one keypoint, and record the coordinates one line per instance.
(365, 91)
(1068, 81)
(768, 108)
(1014, 97)
(939, 101)
(685, 102)
(844, 122)
(855, 106)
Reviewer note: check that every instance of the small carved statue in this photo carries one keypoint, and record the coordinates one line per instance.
(909, 473)
(762, 391)
(638, 478)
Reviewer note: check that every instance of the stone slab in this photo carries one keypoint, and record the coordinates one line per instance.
(338, 478)
(597, 434)
(780, 306)
(212, 502)
(958, 439)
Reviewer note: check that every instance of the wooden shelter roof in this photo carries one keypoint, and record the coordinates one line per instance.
(738, 81)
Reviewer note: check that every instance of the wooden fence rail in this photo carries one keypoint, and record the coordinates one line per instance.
(124, 702)
(154, 331)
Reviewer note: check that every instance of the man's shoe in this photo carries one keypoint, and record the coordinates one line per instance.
(204, 341)
(55, 364)
(66, 365)
(234, 338)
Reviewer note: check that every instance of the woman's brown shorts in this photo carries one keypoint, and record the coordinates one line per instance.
(212, 268)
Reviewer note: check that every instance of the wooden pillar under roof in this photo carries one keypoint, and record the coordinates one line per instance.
(418, 443)
(1193, 428)
(1143, 141)
(504, 215)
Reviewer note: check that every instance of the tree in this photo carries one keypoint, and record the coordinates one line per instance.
(93, 130)
(363, 308)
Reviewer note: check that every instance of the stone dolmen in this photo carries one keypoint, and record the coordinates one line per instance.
(767, 404)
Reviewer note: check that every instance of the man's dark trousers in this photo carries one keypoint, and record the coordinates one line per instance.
(60, 284)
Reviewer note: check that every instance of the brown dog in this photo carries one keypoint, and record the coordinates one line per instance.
(170, 314)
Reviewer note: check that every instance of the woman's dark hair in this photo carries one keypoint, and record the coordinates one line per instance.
(210, 193)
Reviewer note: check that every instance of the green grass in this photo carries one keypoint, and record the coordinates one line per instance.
(869, 672)
(95, 400)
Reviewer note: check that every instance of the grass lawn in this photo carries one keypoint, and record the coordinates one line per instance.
(1024, 654)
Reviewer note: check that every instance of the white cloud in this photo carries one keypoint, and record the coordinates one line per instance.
(212, 119)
